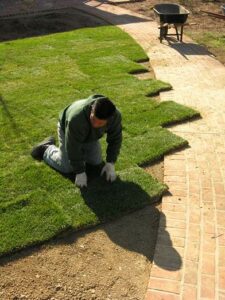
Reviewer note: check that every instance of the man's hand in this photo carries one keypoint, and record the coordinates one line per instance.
(81, 180)
(109, 170)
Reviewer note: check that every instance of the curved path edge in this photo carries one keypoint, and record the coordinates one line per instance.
(189, 259)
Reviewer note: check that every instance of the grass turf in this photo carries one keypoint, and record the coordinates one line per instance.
(39, 77)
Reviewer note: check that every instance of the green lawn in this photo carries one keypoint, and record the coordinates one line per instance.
(39, 77)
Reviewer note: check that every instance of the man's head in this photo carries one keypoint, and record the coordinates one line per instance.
(102, 110)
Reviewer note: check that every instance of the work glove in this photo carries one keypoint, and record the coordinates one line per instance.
(81, 180)
(109, 170)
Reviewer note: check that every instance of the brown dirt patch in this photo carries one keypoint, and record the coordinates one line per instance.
(156, 170)
(111, 261)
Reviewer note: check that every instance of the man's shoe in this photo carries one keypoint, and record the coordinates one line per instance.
(38, 150)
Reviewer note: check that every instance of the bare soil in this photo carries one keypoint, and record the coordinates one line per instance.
(111, 261)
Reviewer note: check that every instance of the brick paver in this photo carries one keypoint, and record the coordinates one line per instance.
(189, 261)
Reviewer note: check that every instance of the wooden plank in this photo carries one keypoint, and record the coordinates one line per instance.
(219, 16)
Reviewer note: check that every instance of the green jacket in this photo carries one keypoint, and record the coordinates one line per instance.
(75, 123)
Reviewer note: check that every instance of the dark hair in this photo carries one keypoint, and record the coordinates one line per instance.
(103, 108)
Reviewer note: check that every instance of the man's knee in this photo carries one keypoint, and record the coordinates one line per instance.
(55, 158)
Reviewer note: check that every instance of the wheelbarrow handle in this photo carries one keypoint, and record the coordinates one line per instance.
(189, 24)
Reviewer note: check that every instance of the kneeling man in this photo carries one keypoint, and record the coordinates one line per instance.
(80, 127)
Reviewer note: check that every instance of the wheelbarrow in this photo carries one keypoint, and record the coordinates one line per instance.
(169, 15)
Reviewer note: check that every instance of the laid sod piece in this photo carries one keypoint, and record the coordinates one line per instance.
(162, 114)
(103, 201)
(30, 222)
(149, 147)
(37, 217)
(39, 77)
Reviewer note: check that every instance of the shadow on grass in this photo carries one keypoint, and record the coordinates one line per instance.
(109, 201)
(9, 116)
(135, 231)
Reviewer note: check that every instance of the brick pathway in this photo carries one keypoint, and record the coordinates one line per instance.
(189, 260)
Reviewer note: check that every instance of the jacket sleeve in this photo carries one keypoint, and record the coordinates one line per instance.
(114, 138)
(74, 137)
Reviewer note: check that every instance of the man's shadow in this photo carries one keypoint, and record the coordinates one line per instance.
(135, 231)
(129, 216)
